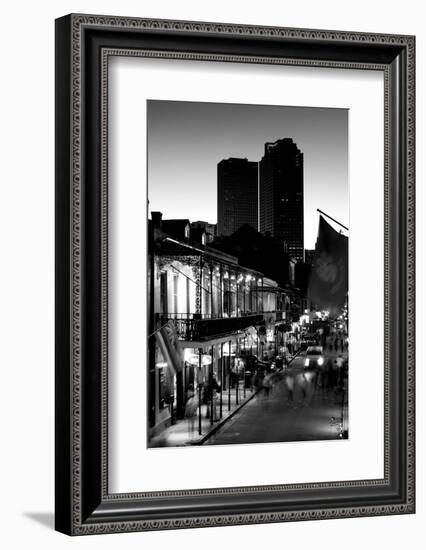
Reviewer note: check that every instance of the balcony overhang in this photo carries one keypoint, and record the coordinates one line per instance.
(212, 341)
(203, 331)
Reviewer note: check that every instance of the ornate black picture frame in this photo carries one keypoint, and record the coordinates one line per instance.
(84, 44)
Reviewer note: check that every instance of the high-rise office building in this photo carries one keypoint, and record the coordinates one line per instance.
(237, 195)
(281, 194)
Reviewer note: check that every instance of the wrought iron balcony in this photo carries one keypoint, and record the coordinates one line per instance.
(198, 328)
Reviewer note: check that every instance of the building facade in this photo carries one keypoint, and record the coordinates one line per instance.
(219, 317)
(281, 195)
(258, 251)
(237, 195)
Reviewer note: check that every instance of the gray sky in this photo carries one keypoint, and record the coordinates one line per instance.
(186, 140)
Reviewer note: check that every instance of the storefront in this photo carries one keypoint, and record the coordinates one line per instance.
(215, 372)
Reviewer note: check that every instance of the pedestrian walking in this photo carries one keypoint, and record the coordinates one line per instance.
(191, 407)
(210, 396)
(339, 364)
(308, 383)
(267, 384)
(190, 392)
(327, 376)
(289, 385)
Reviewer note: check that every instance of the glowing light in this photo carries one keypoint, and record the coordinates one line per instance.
(206, 360)
(320, 361)
(309, 376)
(306, 362)
(190, 356)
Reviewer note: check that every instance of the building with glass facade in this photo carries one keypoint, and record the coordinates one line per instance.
(281, 213)
(237, 195)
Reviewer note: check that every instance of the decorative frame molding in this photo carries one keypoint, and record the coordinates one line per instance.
(84, 43)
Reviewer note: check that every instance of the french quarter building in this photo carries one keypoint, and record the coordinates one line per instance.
(281, 195)
(209, 320)
(237, 187)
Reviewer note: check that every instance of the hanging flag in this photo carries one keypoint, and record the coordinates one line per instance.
(167, 340)
(328, 284)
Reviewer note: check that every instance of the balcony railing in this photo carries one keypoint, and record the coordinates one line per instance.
(191, 328)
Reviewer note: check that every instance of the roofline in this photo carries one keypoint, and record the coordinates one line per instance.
(214, 253)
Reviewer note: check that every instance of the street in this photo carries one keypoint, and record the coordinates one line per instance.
(294, 409)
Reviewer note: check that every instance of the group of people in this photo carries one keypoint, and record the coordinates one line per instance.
(210, 393)
(300, 385)
(330, 377)
(337, 342)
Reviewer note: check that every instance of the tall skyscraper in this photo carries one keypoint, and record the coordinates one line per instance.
(237, 195)
(281, 194)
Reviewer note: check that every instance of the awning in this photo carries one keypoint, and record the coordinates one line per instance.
(211, 341)
(168, 343)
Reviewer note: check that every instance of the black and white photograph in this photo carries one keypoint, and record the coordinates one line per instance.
(234, 277)
(248, 237)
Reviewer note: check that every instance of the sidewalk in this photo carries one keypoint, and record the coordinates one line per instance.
(186, 431)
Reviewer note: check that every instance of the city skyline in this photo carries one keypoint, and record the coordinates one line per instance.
(187, 140)
(243, 328)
